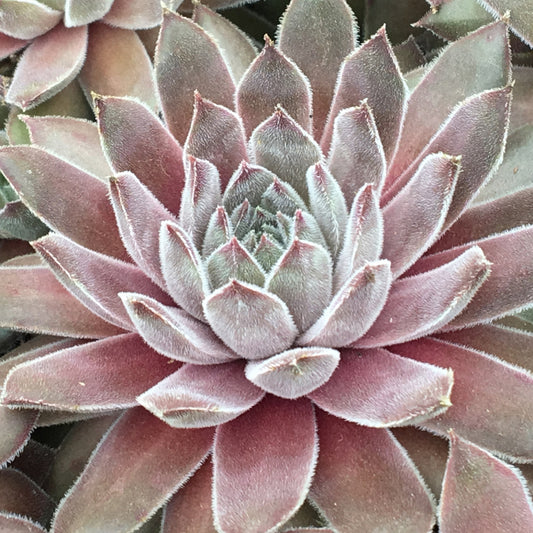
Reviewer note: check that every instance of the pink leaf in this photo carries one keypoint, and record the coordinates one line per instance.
(79, 13)
(10, 45)
(201, 396)
(17, 524)
(252, 491)
(134, 14)
(27, 19)
(16, 426)
(361, 468)
(218, 232)
(141, 461)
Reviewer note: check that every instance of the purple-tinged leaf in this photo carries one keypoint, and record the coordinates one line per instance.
(358, 470)
(33, 300)
(201, 396)
(272, 80)
(235, 46)
(95, 279)
(233, 261)
(141, 461)
(485, 117)
(293, 373)
(135, 140)
(27, 19)
(188, 60)
(353, 309)
(66, 198)
(16, 426)
(412, 220)
(175, 333)
(34, 461)
(482, 492)
(327, 205)
(516, 13)
(390, 390)
(409, 55)
(134, 14)
(18, 524)
(440, 92)
(74, 140)
(363, 239)
(216, 134)
(302, 279)
(522, 98)
(510, 279)
(22, 496)
(139, 216)
(484, 395)
(356, 156)
(306, 228)
(252, 491)
(103, 375)
(318, 35)
(218, 232)
(127, 71)
(182, 269)
(79, 13)
(422, 304)
(48, 65)
(251, 321)
(363, 75)
(282, 146)
(10, 45)
(267, 252)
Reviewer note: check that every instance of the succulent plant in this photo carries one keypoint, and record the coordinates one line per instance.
(302, 255)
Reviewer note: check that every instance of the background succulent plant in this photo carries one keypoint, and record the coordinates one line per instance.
(303, 254)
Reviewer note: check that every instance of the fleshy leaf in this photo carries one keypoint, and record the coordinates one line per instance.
(173, 332)
(252, 492)
(251, 321)
(27, 19)
(10, 45)
(188, 60)
(267, 252)
(353, 309)
(281, 197)
(79, 13)
(306, 228)
(134, 14)
(293, 373)
(218, 232)
(16, 426)
(48, 65)
(481, 491)
(358, 469)
(390, 391)
(182, 269)
(516, 14)
(356, 156)
(201, 396)
(133, 139)
(141, 461)
(273, 79)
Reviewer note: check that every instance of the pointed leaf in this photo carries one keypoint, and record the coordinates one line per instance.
(281, 197)
(79, 13)
(67, 199)
(173, 332)
(18, 222)
(356, 156)
(217, 135)
(103, 375)
(420, 305)
(188, 60)
(164, 458)
(267, 252)
(235, 312)
(135, 140)
(16, 426)
(282, 146)
(516, 14)
(48, 65)
(358, 469)
(218, 232)
(409, 54)
(306, 228)
(134, 14)
(252, 492)
(201, 396)
(27, 19)
(481, 491)
(353, 309)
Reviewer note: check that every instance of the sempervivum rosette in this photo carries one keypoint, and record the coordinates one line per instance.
(287, 266)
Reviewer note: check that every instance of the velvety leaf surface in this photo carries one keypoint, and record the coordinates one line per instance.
(318, 35)
(264, 323)
(100, 376)
(483, 399)
(33, 300)
(34, 461)
(519, 13)
(273, 79)
(201, 396)
(377, 388)
(16, 426)
(135, 140)
(480, 491)
(218, 231)
(66, 198)
(188, 60)
(358, 469)
(522, 98)
(17, 524)
(428, 301)
(127, 71)
(27, 19)
(252, 491)
(18, 222)
(48, 65)
(409, 55)
(134, 14)
(78, 13)
(141, 461)
(10, 45)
